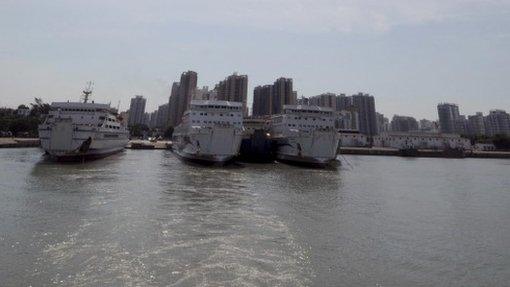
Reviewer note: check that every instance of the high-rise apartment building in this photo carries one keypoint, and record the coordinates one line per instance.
(180, 97)
(461, 125)
(201, 93)
(152, 119)
(273, 97)
(162, 116)
(346, 120)
(365, 106)
(187, 89)
(172, 105)
(403, 124)
(476, 124)
(328, 100)
(137, 111)
(448, 116)
(427, 126)
(283, 94)
(343, 102)
(234, 89)
(262, 100)
(383, 123)
(497, 122)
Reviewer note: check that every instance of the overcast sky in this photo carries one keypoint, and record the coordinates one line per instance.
(409, 54)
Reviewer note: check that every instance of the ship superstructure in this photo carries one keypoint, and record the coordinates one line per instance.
(305, 135)
(210, 132)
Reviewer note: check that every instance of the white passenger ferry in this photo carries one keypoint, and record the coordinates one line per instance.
(82, 130)
(210, 132)
(305, 135)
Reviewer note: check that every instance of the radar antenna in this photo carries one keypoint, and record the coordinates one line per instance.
(87, 91)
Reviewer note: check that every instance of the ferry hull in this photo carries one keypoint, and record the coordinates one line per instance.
(64, 141)
(79, 157)
(307, 161)
(317, 149)
(208, 146)
(203, 159)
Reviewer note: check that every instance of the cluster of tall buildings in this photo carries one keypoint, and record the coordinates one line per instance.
(233, 88)
(497, 122)
(356, 112)
(181, 94)
(270, 99)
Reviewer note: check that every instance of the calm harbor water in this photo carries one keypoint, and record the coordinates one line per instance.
(142, 218)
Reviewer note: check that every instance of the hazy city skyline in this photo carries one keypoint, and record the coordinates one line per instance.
(409, 55)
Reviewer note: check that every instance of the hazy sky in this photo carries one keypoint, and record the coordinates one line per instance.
(409, 54)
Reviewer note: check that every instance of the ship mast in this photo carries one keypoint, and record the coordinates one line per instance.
(87, 91)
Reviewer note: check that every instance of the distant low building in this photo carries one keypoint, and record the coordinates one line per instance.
(421, 141)
(484, 147)
(353, 139)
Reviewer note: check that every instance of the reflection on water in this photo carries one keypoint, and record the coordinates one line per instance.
(144, 218)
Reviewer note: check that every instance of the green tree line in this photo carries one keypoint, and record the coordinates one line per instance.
(24, 125)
